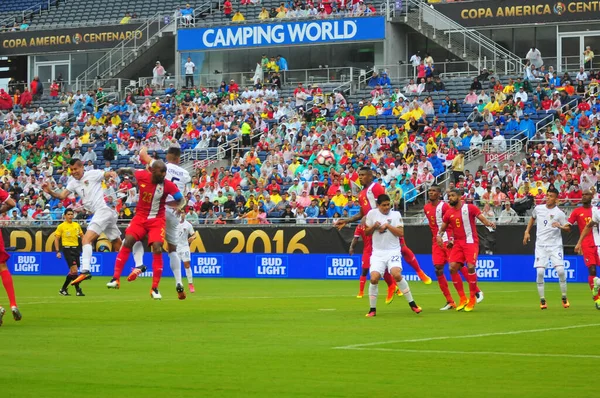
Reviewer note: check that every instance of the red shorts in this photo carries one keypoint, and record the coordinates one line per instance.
(439, 255)
(154, 228)
(590, 256)
(463, 252)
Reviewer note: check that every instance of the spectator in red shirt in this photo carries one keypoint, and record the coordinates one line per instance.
(273, 186)
(233, 87)
(575, 194)
(227, 8)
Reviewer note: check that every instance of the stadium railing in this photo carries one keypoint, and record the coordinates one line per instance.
(443, 69)
(26, 13)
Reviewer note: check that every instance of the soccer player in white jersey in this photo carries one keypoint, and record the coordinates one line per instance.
(182, 179)
(88, 186)
(551, 221)
(386, 227)
(186, 234)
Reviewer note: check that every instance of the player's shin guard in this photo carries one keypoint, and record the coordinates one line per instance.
(472, 279)
(190, 276)
(175, 264)
(443, 282)
(86, 258)
(122, 258)
(373, 292)
(157, 269)
(405, 289)
(138, 254)
(562, 280)
(7, 282)
(458, 285)
(540, 282)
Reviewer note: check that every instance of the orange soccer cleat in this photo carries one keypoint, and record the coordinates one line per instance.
(424, 278)
(136, 272)
(85, 275)
(471, 304)
(390, 293)
(462, 304)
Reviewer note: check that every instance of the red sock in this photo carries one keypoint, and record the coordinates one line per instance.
(410, 258)
(443, 282)
(388, 279)
(472, 279)
(9, 287)
(458, 285)
(591, 282)
(122, 258)
(465, 272)
(363, 280)
(157, 269)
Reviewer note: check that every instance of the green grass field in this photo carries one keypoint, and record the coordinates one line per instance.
(282, 338)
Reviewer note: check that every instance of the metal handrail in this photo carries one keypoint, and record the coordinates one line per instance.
(439, 180)
(81, 24)
(515, 146)
(246, 21)
(27, 12)
(407, 71)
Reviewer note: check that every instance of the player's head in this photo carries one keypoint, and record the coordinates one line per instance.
(76, 167)
(69, 214)
(551, 196)
(454, 197)
(586, 197)
(159, 171)
(173, 155)
(434, 192)
(384, 204)
(365, 175)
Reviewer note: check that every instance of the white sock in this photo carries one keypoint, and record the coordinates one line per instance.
(540, 282)
(138, 254)
(175, 264)
(190, 276)
(403, 285)
(562, 280)
(86, 258)
(373, 292)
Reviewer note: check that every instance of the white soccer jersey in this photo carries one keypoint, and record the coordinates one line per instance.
(89, 189)
(596, 229)
(179, 177)
(386, 241)
(546, 234)
(185, 230)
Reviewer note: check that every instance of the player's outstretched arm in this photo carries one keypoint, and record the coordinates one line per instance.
(586, 231)
(144, 157)
(486, 222)
(126, 171)
(355, 218)
(57, 195)
(527, 236)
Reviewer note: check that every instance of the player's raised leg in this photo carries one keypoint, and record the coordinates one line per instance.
(411, 259)
(138, 256)
(86, 253)
(122, 257)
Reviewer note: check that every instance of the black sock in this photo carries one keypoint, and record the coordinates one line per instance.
(68, 280)
(372, 310)
(77, 288)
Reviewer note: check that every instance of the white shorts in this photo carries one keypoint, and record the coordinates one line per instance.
(184, 254)
(385, 261)
(549, 256)
(105, 220)
(172, 224)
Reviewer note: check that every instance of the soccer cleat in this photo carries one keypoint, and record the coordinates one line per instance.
(84, 276)
(191, 286)
(399, 292)
(423, 276)
(543, 304)
(136, 272)
(16, 313)
(155, 294)
(471, 304)
(80, 293)
(462, 304)
(114, 284)
(596, 288)
(63, 292)
(180, 292)
(449, 306)
(565, 302)
(479, 296)
(2, 312)
(359, 295)
(390, 294)
(415, 308)
(371, 314)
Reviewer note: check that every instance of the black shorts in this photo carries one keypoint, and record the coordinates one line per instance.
(72, 256)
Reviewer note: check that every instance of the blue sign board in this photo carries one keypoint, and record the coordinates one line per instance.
(282, 34)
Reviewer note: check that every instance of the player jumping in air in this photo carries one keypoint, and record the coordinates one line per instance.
(434, 211)
(88, 186)
(149, 220)
(181, 178)
(465, 245)
(367, 199)
(550, 222)
(7, 204)
(386, 227)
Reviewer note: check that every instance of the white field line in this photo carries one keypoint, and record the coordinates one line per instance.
(512, 354)
(357, 346)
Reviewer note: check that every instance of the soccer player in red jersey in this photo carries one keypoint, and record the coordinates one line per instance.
(434, 211)
(465, 244)
(7, 204)
(149, 220)
(587, 246)
(359, 233)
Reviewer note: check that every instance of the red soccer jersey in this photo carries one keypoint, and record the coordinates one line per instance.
(582, 217)
(435, 217)
(367, 198)
(359, 232)
(3, 195)
(151, 203)
(462, 222)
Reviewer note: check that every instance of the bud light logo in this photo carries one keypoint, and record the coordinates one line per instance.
(570, 270)
(271, 266)
(489, 268)
(343, 267)
(208, 266)
(95, 264)
(29, 264)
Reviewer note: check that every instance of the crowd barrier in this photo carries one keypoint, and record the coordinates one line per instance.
(501, 268)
